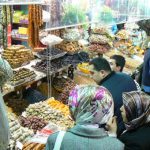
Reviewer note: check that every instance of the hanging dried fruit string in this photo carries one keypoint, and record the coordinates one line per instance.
(1, 27)
(5, 19)
(35, 22)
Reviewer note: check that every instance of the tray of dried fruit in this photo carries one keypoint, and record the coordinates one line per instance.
(50, 54)
(22, 76)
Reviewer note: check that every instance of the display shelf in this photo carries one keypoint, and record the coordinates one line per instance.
(50, 57)
(68, 26)
(48, 72)
(60, 70)
(20, 39)
(38, 49)
(39, 76)
(22, 24)
(18, 2)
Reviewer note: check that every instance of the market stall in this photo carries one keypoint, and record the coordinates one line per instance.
(49, 45)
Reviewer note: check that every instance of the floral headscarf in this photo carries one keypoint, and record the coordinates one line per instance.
(137, 108)
(91, 104)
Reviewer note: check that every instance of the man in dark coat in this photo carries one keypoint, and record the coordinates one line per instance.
(116, 83)
(146, 72)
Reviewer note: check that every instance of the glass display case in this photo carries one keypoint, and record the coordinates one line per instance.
(68, 13)
(59, 14)
(138, 10)
(20, 2)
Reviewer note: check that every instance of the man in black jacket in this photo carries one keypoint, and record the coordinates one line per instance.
(146, 72)
(116, 83)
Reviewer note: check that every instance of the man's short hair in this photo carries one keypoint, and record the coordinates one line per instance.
(100, 64)
(120, 61)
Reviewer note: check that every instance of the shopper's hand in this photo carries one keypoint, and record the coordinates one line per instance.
(111, 125)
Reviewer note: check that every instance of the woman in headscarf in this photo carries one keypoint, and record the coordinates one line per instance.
(136, 116)
(5, 73)
(91, 107)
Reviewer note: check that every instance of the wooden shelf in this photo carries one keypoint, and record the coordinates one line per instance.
(23, 24)
(19, 39)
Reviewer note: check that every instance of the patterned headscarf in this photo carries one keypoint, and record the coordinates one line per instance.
(91, 104)
(137, 108)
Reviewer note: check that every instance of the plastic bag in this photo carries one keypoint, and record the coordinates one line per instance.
(46, 16)
(51, 40)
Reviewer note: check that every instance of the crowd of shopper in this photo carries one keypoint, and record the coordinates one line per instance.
(112, 115)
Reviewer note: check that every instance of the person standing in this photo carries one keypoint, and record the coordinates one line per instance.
(117, 63)
(5, 73)
(91, 106)
(115, 82)
(136, 116)
(146, 72)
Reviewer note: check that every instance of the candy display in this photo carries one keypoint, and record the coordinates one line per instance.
(122, 34)
(71, 35)
(54, 65)
(128, 48)
(17, 133)
(17, 55)
(70, 47)
(58, 83)
(59, 106)
(81, 79)
(100, 30)
(133, 50)
(42, 136)
(22, 75)
(122, 43)
(101, 49)
(99, 39)
(56, 32)
(53, 52)
(75, 58)
(13, 103)
(49, 114)
(51, 40)
(68, 86)
(34, 123)
(33, 146)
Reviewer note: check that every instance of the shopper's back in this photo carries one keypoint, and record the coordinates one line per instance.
(80, 138)
(91, 106)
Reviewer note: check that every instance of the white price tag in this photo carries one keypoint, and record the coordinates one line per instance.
(19, 145)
